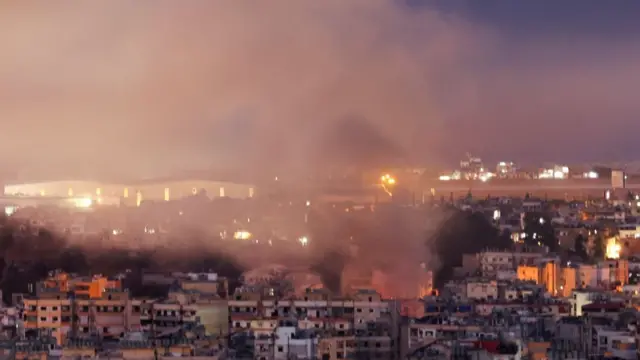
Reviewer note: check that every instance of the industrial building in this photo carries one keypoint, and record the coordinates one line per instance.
(76, 192)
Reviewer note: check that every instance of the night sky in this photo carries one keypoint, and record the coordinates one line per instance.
(152, 87)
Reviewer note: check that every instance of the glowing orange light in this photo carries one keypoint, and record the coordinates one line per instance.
(386, 181)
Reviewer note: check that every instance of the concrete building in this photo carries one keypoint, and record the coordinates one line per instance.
(130, 194)
(592, 276)
(491, 262)
(361, 324)
(482, 290)
(82, 287)
(61, 317)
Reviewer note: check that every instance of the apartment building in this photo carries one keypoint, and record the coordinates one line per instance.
(201, 283)
(613, 343)
(70, 308)
(61, 317)
(111, 315)
(336, 347)
(359, 309)
(493, 262)
(548, 274)
(81, 287)
(166, 316)
(54, 316)
(287, 342)
(420, 332)
(562, 280)
(482, 290)
(361, 324)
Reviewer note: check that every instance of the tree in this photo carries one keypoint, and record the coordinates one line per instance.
(599, 248)
(463, 232)
(539, 231)
(580, 246)
(630, 196)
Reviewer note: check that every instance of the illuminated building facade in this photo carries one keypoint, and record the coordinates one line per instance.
(84, 194)
(82, 287)
(557, 172)
(506, 169)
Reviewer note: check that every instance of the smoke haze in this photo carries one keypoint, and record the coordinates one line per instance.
(144, 88)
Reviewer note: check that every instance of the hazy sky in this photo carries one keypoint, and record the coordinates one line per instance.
(146, 87)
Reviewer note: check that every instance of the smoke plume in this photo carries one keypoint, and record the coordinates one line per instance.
(156, 86)
(353, 140)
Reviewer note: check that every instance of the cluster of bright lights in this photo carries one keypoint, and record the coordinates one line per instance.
(505, 167)
(558, 172)
(482, 176)
(304, 241)
(613, 248)
(590, 175)
(387, 181)
(242, 235)
(82, 203)
(9, 210)
(485, 176)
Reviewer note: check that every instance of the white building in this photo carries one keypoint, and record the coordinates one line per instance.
(580, 298)
(292, 344)
(617, 344)
(629, 231)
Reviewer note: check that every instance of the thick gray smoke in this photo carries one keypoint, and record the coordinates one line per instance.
(353, 140)
(387, 248)
(110, 88)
